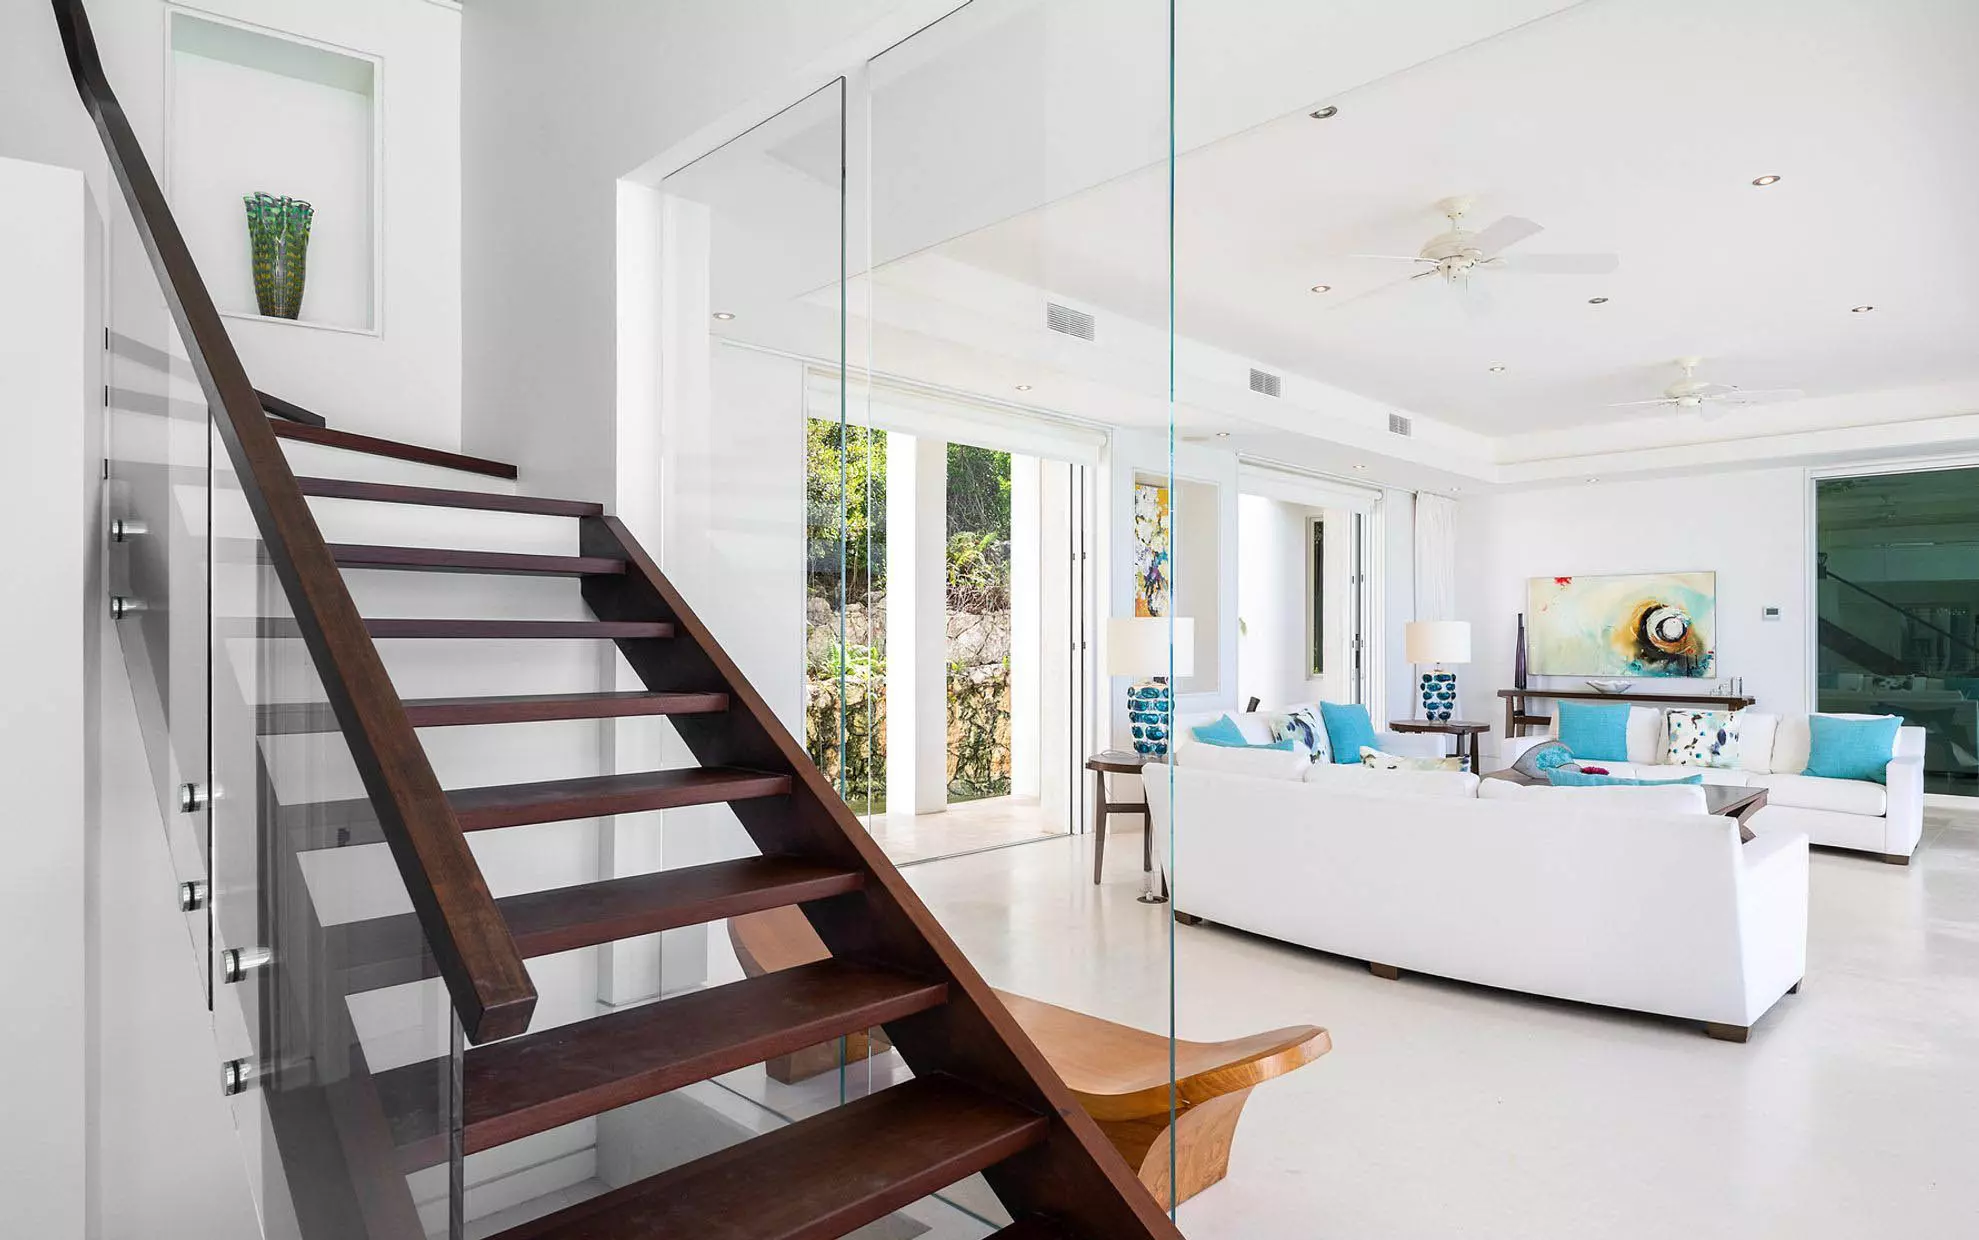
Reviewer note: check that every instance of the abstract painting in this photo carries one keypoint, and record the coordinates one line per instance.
(1152, 566)
(1648, 624)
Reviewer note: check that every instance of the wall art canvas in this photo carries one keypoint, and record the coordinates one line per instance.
(1648, 624)
(1152, 539)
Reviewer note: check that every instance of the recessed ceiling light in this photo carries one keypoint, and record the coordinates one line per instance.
(1326, 113)
(1597, 301)
(1360, 467)
(1223, 434)
(1768, 179)
(1592, 481)
(1860, 309)
(1023, 387)
(1498, 369)
(723, 315)
(1322, 288)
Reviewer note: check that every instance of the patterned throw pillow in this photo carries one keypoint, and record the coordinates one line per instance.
(1304, 728)
(1706, 738)
(1376, 760)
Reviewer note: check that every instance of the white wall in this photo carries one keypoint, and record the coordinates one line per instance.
(559, 101)
(1748, 527)
(403, 382)
(45, 364)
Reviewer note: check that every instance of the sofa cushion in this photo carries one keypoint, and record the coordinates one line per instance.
(1380, 761)
(1365, 780)
(1347, 729)
(1851, 748)
(1596, 731)
(1842, 796)
(1541, 758)
(1264, 762)
(1647, 798)
(1756, 733)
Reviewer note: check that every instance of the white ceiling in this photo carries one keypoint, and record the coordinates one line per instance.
(1631, 126)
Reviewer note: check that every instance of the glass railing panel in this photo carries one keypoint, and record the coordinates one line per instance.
(158, 492)
(327, 1000)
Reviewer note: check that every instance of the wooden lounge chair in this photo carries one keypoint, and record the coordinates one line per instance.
(1118, 1073)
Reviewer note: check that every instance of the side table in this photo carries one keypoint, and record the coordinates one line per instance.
(1121, 762)
(1466, 731)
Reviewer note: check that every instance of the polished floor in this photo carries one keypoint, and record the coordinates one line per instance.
(965, 826)
(1448, 1110)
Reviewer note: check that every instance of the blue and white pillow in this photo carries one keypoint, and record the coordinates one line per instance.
(1707, 738)
(1304, 728)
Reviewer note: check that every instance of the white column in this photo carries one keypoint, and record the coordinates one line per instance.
(916, 625)
(1026, 614)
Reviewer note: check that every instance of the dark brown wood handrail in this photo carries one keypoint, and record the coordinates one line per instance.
(471, 945)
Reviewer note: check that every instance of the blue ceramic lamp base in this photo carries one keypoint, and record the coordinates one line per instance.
(1148, 714)
(1439, 695)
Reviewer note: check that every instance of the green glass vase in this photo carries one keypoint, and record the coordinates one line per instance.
(278, 232)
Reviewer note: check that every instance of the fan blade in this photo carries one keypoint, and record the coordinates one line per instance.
(1395, 258)
(1763, 396)
(1506, 232)
(1377, 291)
(1629, 404)
(1559, 264)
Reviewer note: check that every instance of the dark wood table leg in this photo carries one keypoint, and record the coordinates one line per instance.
(1147, 842)
(1099, 824)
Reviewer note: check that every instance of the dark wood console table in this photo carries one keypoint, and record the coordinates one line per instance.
(1518, 718)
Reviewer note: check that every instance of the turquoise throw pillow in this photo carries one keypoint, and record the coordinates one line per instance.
(1851, 748)
(1595, 731)
(1223, 732)
(1347, 729)
(1561, 777)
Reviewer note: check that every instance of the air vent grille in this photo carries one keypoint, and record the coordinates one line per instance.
(1264, 381)
(1067, 321)
(1399, 425)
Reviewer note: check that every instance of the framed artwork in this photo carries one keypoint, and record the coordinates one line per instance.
(1646, 624)
(1153, 532)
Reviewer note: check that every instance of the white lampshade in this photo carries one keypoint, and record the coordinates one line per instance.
(1138, 646)
(1437, 641)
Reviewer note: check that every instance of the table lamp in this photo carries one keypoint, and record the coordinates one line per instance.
(1437, 642)
(1138, 646)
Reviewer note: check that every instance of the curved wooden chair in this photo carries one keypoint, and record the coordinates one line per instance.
(1118, 1073)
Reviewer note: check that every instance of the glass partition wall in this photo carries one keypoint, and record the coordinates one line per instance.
(898, 467)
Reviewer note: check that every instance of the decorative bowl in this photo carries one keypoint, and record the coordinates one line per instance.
(1610, 686)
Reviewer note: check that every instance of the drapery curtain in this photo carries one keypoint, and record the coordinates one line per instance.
(1436, 557)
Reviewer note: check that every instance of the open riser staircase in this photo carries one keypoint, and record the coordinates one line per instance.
(409, 667)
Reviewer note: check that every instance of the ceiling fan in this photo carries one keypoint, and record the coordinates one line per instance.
(1459, 253)
(1711, 399)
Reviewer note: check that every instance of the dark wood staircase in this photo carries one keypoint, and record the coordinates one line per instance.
(981, 1100)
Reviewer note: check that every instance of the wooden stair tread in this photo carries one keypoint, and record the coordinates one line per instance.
(591, 796)
(446, 560)
(286, 718)
(374, 446)
(818, 1178)
(389, 951)
(442, 497)
(544, 1080)
(419, 626)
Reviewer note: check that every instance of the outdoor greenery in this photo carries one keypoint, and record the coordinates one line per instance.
(845, 704)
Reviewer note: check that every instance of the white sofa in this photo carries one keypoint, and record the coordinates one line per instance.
(1885, 819)
(1629, 898)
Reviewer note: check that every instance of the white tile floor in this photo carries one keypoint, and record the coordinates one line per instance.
(1452, 1111)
